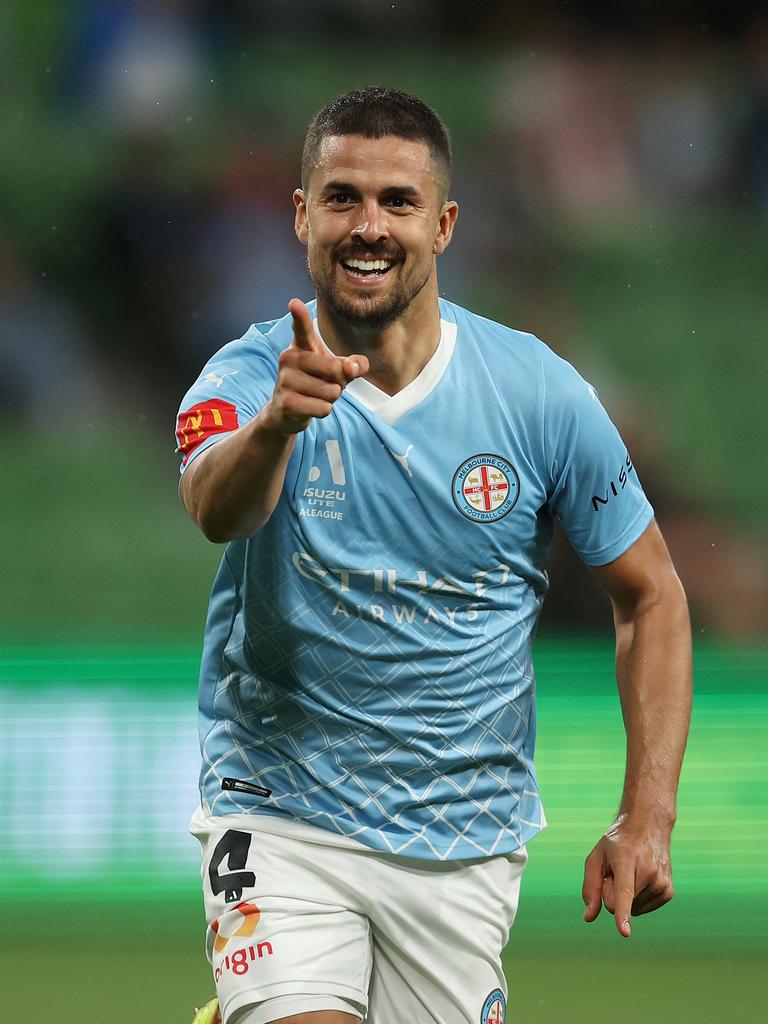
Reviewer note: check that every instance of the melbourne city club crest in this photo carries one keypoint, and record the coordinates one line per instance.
(485, 488)
(494, 1008)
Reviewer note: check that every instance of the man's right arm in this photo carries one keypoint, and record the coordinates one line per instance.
(231, 489)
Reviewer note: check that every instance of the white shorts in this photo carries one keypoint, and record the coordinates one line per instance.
(302, 919)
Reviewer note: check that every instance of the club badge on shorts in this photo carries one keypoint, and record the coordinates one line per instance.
(485, 488)
(494, 1008)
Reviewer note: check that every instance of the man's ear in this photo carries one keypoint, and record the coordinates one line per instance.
(445, 225)
(301, 223)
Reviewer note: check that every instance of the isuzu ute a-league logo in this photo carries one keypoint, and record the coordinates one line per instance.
(323, 502)
(485, 488)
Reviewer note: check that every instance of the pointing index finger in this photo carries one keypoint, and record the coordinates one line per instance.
(304, 336)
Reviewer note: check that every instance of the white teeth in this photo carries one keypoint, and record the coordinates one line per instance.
(368, 264)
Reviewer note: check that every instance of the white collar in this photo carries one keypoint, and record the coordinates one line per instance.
(390, 408)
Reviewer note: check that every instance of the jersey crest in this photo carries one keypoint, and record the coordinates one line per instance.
(494, 1008)
(485, 488)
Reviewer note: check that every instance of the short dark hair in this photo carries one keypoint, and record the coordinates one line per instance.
(375, 112)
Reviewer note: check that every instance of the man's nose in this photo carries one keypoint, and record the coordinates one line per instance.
(373, 224)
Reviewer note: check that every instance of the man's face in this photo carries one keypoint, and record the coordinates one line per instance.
(372, 220)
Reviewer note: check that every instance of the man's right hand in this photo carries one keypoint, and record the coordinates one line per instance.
(309, 380)
(232, 488)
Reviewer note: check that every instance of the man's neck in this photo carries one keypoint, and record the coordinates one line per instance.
(397, 353)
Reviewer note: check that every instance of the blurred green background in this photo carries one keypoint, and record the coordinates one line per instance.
(612, 173)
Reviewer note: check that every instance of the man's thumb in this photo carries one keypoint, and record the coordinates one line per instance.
(355, 366)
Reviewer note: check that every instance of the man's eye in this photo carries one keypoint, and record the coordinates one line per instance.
(398, 202)
(341, 198)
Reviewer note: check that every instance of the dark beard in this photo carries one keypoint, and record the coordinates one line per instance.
(376, 317)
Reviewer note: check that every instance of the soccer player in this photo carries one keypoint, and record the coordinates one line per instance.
(386, 467)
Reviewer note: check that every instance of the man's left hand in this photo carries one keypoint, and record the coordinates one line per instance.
(628, 871)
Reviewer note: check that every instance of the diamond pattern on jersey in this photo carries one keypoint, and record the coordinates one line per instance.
(392, 734)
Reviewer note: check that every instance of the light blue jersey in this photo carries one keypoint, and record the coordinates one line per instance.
(368, 653)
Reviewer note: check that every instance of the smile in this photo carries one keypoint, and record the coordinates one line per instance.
(363, 270)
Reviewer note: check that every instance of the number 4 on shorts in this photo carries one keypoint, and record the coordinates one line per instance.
(234, 846)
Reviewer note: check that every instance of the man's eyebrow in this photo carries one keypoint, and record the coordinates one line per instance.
(338, 186)
(406, 191)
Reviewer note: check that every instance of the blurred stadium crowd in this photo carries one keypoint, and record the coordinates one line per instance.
(150, 148)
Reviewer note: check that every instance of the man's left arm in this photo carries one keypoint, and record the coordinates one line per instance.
(629, 870)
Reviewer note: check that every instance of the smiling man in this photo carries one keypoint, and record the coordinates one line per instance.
(386, 467)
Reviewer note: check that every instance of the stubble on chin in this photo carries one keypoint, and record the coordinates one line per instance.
(364, 313)
(376, 314)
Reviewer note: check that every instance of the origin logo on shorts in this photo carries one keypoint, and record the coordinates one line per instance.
(485, 488)
(494, 1008)
(245, 917)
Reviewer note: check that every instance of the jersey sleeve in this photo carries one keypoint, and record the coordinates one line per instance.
(232, 387)
(594, 488)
